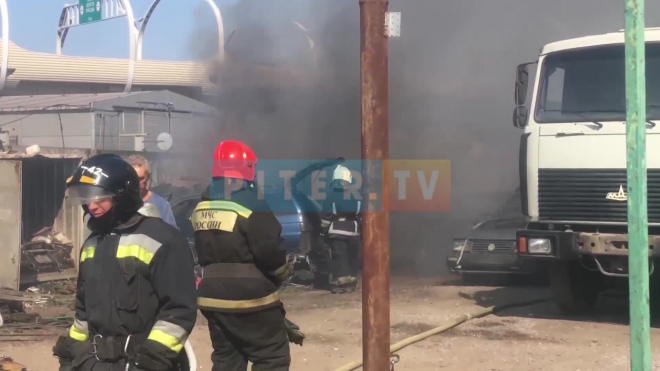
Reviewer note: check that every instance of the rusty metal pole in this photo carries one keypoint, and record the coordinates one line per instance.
(375, 151)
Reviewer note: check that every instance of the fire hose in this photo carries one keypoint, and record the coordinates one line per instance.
(448, 326)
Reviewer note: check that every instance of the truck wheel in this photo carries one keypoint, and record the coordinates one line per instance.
(575, 289)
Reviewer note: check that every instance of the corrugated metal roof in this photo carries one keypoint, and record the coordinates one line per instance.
(20, 103)
(34, 66)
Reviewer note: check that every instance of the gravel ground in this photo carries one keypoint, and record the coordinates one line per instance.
(535, 337)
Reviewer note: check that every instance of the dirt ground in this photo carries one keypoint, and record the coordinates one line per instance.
(536, 337)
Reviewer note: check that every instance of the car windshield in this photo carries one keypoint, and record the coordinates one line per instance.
(278, 202)
(589, 85)
(503, 223)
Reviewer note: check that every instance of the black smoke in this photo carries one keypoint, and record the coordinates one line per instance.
(451, 92)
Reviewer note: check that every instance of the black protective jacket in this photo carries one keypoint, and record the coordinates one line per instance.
(340, 213)
(238, 243)
(137, 280)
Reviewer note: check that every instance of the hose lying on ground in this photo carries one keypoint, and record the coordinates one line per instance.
(464, 318)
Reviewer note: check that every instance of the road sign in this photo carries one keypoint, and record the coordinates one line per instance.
(90, 11)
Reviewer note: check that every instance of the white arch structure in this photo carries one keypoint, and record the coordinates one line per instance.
(5, 43)
(110, 9)
(152, 8)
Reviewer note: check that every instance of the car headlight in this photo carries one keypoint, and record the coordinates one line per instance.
(458, 245)
(539, 246)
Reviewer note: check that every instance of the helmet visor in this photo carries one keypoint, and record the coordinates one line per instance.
(83, 194)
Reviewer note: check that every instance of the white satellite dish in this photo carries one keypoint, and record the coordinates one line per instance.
(164, 141)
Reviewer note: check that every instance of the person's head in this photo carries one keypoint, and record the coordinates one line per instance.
(341, 178)
(234, 160)
(141, 166)
(107, 187)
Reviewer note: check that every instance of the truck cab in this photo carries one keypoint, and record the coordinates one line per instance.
(573, 164)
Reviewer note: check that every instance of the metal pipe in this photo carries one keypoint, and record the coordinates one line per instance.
(132, 36)
(640, 342)
(221, 29)
(375, 150)
(143, 27)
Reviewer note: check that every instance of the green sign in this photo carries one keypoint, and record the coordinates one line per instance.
(90, 11)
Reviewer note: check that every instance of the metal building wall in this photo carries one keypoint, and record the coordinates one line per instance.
(10, 223)
(44, 129)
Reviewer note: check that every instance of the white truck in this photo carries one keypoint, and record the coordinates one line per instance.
(573, 165)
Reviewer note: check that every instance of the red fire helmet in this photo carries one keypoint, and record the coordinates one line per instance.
(233, 159)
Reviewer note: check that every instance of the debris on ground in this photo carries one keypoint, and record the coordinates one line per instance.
(8, 295)
(49, 294)
(31, 327)
(48, 251)
(8, 364)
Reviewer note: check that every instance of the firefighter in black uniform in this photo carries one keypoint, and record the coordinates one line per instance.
(340, 218)
(244, 262)
(135, 302)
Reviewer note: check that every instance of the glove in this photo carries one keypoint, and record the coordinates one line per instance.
(279, 276)
(67, 349)
(63, 351)
(293, 332)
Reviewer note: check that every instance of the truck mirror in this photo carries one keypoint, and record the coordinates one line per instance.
(522, 77)
(520, 117)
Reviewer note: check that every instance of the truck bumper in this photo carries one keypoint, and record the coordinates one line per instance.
(573, 245)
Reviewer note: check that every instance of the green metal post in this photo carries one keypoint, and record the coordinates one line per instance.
(640, 342)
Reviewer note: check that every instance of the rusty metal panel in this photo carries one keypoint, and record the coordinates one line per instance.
(10, 223)
(44, 185)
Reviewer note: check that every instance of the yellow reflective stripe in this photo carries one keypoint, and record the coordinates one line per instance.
(76, 334)
(166, 339)
(88, 253)
(238, 304)
(224, 205)
(135, 251)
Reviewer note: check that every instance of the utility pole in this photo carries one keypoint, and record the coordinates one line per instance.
(638, 269)
(375, 151)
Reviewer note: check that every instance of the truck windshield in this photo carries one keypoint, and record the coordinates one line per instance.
(589, 84)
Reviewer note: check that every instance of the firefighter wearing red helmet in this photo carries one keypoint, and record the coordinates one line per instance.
(243, 256)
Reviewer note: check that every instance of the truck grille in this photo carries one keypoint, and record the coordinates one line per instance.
(580, 195)
(501, 247)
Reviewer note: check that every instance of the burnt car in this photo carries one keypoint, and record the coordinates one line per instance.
(489, 247)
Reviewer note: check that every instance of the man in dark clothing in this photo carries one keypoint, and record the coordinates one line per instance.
(135, 303)
(239, 246)
(340, 218)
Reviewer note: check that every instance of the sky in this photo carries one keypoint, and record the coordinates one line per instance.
(33, 26)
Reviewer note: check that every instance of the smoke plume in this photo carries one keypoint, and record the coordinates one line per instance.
(451, 92)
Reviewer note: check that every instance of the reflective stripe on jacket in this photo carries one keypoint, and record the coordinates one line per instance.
(239, 246)
(137, 281)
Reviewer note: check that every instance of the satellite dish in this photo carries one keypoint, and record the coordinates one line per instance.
(164, 141)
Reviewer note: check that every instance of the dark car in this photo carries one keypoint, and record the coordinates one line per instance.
(489, 247)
